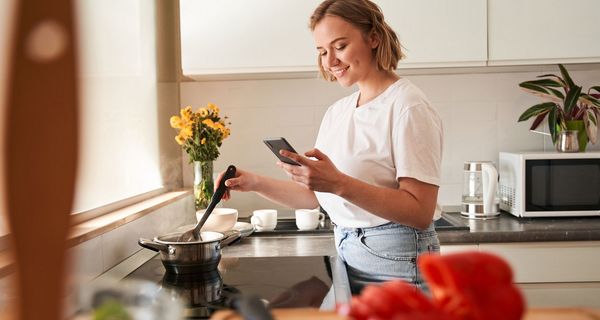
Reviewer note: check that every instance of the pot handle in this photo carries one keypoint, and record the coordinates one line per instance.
(154, 246)
(231, 236)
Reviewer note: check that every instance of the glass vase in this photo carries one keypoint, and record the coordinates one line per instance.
(203, 183)
(582, 137)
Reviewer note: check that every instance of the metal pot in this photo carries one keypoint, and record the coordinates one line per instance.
(190, 257)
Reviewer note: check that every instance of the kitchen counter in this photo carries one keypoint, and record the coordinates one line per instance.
(531, 314)
(508, 228)
(281, 246)
(527, 244)
(502, 229)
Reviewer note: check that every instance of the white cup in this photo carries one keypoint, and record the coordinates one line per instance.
(264, 220)
(308, 219)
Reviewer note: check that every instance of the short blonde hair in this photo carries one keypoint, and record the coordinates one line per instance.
(368, 18)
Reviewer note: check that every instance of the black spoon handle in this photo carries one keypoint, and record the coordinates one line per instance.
(229, 173)
(250, 307)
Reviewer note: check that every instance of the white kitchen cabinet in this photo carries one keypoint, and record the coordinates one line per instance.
(456, 248)
(544, 262)
(543, 31)
(221, 37)
(558, 274)
(439, 33)
(266, 36)
(552, 295)
(550, 274)
(240, 36)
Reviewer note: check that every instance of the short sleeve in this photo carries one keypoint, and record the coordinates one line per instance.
(417, 142)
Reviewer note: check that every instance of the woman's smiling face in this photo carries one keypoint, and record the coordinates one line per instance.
(343, 50)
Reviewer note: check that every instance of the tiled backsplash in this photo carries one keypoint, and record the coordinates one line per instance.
(479, 112)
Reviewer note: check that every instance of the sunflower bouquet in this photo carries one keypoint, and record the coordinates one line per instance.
(200, 135)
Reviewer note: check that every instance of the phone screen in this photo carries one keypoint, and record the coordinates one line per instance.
(276, 144)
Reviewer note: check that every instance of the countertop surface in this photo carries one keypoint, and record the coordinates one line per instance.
(503, 228)
(508, 228)
(531, 314)
(279, 246)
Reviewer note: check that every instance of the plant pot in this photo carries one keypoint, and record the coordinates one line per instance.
(582, 137)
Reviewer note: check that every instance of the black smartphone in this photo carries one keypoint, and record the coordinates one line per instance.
(278, 143)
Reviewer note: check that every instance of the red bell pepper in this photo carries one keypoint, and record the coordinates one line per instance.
(473, 285)
(395, 300)
(469, 286)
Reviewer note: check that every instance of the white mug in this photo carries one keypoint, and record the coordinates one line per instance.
(308, 219)
(264, 220)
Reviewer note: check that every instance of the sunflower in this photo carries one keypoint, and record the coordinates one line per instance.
(200, 133)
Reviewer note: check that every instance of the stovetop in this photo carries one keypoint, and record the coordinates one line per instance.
(280, 282)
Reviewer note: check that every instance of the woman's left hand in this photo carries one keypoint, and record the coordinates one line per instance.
(317, 175)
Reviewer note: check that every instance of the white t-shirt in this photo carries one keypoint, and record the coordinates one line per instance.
(397, 134)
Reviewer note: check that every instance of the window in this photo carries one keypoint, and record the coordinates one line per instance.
(123, 111)
(119, 123)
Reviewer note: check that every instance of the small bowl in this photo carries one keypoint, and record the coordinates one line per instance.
(220, 220)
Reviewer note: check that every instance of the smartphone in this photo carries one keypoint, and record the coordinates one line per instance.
(278, 143)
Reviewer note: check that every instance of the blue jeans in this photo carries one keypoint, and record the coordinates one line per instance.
(384, 253)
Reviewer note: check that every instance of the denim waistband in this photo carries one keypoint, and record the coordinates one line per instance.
(429, 231)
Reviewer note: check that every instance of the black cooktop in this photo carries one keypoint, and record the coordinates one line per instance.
(280, 282)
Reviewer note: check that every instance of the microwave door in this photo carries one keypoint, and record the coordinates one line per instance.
(569, 187)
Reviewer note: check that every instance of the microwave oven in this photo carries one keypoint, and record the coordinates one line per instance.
(549, 184)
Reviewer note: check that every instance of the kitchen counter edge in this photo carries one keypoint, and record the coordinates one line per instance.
(508, 228)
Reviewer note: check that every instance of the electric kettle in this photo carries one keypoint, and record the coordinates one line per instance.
(480, 190)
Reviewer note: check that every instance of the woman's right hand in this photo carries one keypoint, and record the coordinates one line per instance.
(243, 181)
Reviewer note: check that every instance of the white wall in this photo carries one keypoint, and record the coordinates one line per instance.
(479, 112)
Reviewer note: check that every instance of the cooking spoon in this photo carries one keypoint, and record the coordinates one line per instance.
(194, 234)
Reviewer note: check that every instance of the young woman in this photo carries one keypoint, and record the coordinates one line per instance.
(375, 167)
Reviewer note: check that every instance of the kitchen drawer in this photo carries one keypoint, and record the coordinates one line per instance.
(539, 262)
(456, 248)
(562, 294)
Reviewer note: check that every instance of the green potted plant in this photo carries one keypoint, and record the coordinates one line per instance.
(567, 106)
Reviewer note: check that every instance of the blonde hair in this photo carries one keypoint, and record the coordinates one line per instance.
(368, 18)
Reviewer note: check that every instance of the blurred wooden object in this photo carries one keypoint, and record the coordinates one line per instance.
(562, 314)
(310, 313)
(40, 153)
(287, 314)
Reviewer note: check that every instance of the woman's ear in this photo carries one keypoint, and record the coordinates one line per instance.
(374, 40)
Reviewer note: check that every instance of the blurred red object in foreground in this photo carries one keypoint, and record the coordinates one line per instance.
(469, 286)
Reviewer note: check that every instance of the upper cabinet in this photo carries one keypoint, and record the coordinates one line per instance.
(241, 36)
(543, 31)
(220, 37)
(439, 33)
(261, 36)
